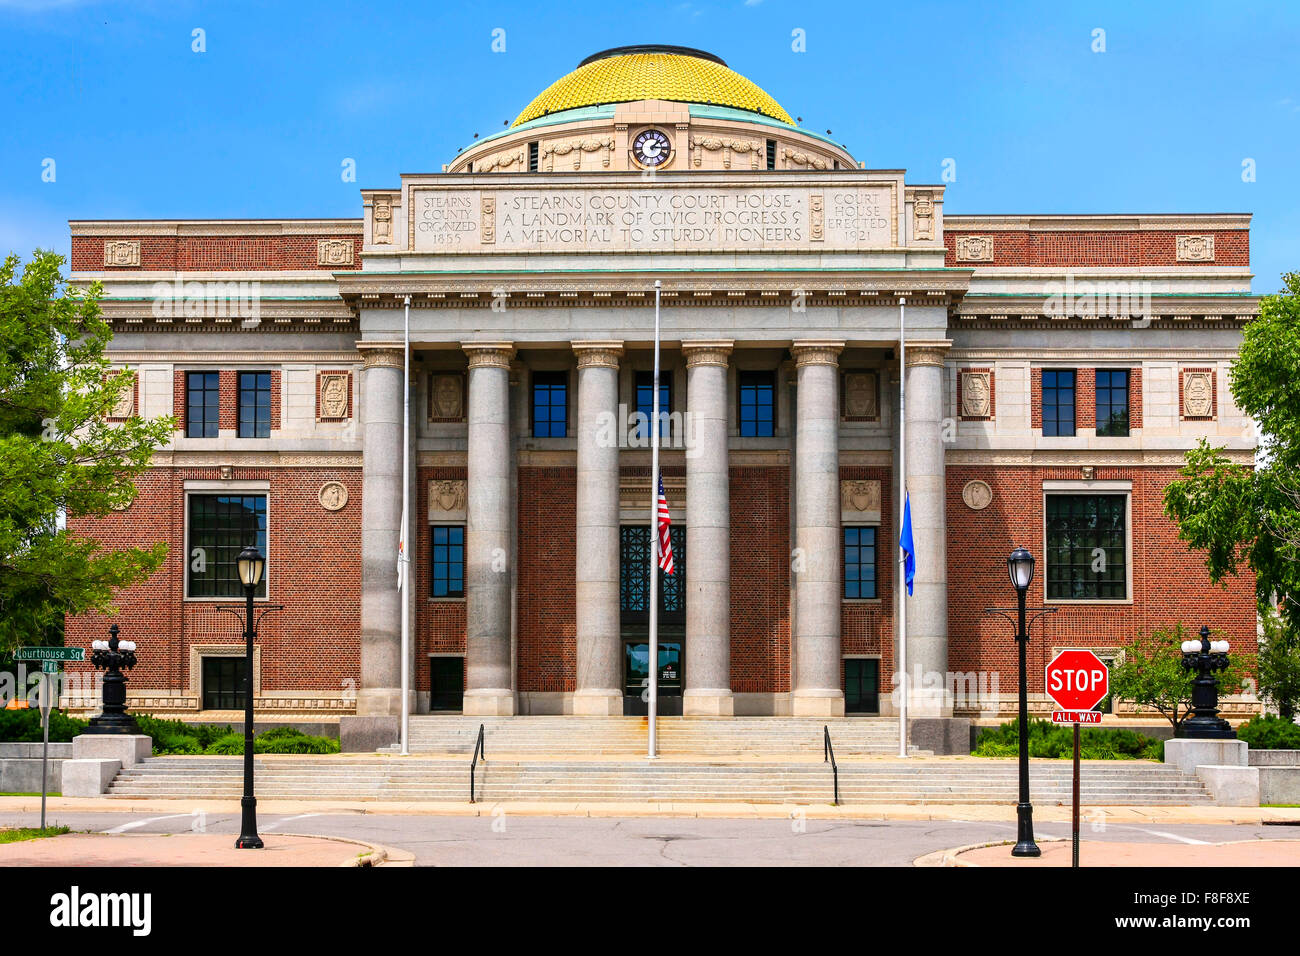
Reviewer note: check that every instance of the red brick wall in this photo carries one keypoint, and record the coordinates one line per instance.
(212, 253)
(760, 581)
(1035, 398)
(1170, 583)
(1085, 398)
(1135, 398)
(1093, 249)
(313, 568)
(547, 649)
(868, 628)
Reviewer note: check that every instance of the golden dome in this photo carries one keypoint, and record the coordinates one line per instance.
(626, 74)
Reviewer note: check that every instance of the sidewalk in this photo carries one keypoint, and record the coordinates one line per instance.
(744, 811)
(192, 849)
(1058, 853)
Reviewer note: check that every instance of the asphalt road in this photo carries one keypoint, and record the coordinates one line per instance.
(503, 840)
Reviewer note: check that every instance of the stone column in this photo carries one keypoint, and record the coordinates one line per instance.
(487, 532)
(599, 679)
(927, 608)
(708, 534)
(381, 509)
(818, 691)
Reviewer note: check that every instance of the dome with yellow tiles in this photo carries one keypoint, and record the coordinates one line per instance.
(630, 73)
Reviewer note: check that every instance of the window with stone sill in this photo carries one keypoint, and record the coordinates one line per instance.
(757, 404)
(550, 404)
(219, 527)
(447, 561)
(202, 404)
(859, 562)
(1058, 402)
(1112, 403)
(1087, 547)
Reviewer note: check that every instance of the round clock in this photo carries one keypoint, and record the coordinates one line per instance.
(651, 148)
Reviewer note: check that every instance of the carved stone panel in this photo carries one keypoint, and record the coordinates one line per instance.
(1195, 248)
(334, 252)
(383, 231)
(333, 495)
(447, 499)
(1198, 394)
(976, 394)
(817, 217)
(860, 498)
(861, 396)
(923, 216)
(974, 248)
(125, 406)
(122, 252)
(446, 397)
(334, 395)
(977, 495)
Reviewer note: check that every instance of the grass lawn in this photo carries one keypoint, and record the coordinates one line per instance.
(19, 834)
(28, 793)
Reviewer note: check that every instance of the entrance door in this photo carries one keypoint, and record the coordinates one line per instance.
(447, 690)
(636, 677)
(634, 616)
(861, 686)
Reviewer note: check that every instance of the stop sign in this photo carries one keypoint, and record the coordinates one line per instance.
(1077, 680)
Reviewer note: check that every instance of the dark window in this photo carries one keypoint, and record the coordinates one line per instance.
(550, 404)
(223, 683)
(1086, 546)
(757, 396)
(202, 404)
(1058, 402)
(634, 576)
(447, 569)
(220, 527)
(447, 683)
(771, 154)
(532, 156)
(645, 402)
(861, 686)
(469, 167)
(1112, 402)
(859, 563)
(254, 404)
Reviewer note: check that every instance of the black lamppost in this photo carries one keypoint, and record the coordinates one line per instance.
(1020, 565)
(251, 565)
(1204, 657)
(112, 657)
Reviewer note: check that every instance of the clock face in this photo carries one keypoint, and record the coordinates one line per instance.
(651, 148)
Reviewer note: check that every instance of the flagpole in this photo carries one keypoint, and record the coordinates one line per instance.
(902, 504)
(654, 546)
(404, 577)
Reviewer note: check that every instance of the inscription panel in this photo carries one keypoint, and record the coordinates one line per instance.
(665, 218)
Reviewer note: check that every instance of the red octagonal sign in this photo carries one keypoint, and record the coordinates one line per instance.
(1077, 680)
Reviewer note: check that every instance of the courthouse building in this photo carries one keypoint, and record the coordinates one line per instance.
(1057, 368)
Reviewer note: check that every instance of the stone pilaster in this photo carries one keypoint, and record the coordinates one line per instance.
(381, 508)
(708, 533)
(599, 682)
(817, 688)
(927, 608)
(487, 531)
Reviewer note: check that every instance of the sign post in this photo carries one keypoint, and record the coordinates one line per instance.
(1077, 681)
(49, 658)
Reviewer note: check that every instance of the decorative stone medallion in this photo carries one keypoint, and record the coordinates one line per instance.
(334, 395)
(860, 496)
(447, 398)
(446, 495)
(977, 495)
(333, 495)
(976, 395)
(861, 399)
(1195, 248)
(122, 252)
(334, 252)
(1198, 395)
(974, 248)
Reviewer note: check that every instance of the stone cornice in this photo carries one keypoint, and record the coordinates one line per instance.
(598, 354)
(296, 357)
(1092, 223)
(1081, 457)
(489, 354)
(1130, 356)
(213, 227)
(707, 353)
(255, 459)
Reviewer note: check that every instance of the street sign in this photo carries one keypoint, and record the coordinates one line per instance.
(1077, 680)
(50, 667)
(1076, 716)
(50, 654)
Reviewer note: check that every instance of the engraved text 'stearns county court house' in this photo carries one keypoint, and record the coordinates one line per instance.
(1057, 368)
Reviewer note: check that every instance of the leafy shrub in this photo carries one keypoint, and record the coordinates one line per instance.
(24, 726)
(1268, 732)
(1056, 741)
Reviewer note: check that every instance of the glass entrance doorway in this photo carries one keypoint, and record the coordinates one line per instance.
(861, 686)
(634, 616)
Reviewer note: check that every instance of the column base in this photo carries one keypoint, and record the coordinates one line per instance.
(488, 703)
(817, 703)
(598, 703)
(379, 701)
(708, 703)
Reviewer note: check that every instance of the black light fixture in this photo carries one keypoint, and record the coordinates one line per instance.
(1020, 567)
(251, 564)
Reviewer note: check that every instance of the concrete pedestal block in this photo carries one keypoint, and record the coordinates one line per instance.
(598, 703)
(708, 703)
(817, 705)
(929, 702)
(1187, 754)
(940, 735)
(126, 749)
(367, 733)
(488, 703)
(1279, 783)
(90, 777)
(1232, 786)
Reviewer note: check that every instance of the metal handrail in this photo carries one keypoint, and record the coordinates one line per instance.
(828, 754)
(473, 764)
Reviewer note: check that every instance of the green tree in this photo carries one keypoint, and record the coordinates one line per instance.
(1149, 673)
(1279, 664)
(59, 454)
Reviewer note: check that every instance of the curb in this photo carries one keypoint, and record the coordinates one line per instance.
(949, 857)
(377, 854)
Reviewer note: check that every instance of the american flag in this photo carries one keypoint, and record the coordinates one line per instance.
(665, 539)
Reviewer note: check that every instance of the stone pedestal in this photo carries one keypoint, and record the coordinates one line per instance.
(1187, 755)
(89, 777)
(127, 749)
(817, 688)
(366, 734)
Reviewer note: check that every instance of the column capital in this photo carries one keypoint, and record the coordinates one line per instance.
(713, 352)
(927, 353)
(489, 354)
(816, 352)
(382, 357)
(598, 353)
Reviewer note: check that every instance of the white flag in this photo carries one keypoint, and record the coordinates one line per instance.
(401, 551)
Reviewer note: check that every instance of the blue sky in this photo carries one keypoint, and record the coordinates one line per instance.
(140, 125)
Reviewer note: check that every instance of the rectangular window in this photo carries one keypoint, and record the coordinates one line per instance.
(254, 404)
(550, 404)
(1112, 402)
(532, 156)
(771, 154)
(223, 683)
(861, 686)
(1058, 402)
(220, 526)
(202, 404)
(645, 402)
(1087, 547)
(447, 568)
(757, 401)
(859, 563)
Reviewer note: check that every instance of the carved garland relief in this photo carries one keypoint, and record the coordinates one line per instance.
(974, 248)
(860, 496)
(122, 252)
